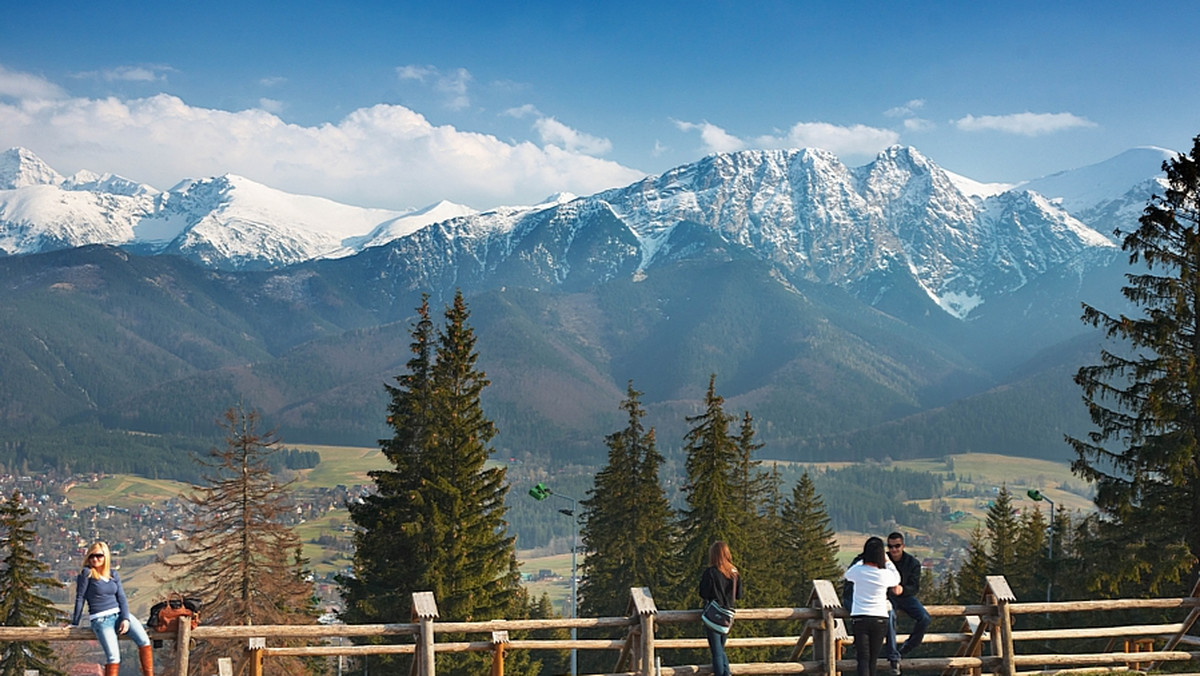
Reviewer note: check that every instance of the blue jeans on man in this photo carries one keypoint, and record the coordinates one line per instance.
(912, 607)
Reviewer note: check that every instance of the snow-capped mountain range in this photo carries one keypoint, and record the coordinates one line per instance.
(222, 222)
(803, 211)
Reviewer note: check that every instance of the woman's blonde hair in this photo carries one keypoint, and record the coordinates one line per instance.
(105, 570)
(720, 558)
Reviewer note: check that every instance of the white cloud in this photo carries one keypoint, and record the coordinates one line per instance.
(384, 155)
(918, 124)
(274, 81)
(134, 74)
(522, 112)
(1025, 124)
(16, 85)
(452, 85)
(271, 105)
(715, 139)
(128, 74)
(418, 73)
(554, 132)
(854, 140)
(905, 110)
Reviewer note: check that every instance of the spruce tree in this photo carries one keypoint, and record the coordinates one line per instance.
(1002, 529)
(1144, 397)
(711, 512)
(628, 526)
(239, 559)
(436, 520)
(21, 576)
(971, 576)
(757, 530)
(808, 541)
(1028, 577)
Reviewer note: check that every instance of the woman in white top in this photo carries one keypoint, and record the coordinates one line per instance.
(872, 577)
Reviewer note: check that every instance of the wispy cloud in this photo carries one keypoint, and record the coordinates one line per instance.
(854, 140)
(453, 85)
(919, 124)
(1024, 124)
(857, 139)
(556, 133)
(15, 85)
(152, 73)
(714, 138)
(384, 155)
(522, 112)
(273, 81)
(906, 110)
(271, 105)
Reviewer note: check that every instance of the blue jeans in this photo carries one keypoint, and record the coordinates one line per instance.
(912, 607)
(716, 645)
(893, 650)
(105, 629)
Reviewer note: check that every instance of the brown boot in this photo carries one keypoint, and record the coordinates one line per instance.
(146, 657)
(112, 669)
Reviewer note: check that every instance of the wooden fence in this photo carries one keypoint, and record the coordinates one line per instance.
(986, 641)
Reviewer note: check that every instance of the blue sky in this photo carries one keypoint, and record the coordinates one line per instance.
(402, 104)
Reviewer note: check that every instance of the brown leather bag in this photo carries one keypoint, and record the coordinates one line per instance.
(165, 615)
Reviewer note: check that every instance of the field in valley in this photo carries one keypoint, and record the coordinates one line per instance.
(976, 478)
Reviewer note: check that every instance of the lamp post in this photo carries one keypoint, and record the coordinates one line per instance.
(1037, 496)
(541, 492)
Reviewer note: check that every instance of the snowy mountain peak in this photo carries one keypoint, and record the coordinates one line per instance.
(20, 168)
(84, 180)
(1087, 187)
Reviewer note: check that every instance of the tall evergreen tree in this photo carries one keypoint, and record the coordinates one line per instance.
(808, 541)
(1029, 575)
(756, 531)
(373, 593)
(436, 521)
(1144, 455)
(239, 558)
(1003, 526)
(628, 526)
(971, 576)
(711, 513)
(21, 576)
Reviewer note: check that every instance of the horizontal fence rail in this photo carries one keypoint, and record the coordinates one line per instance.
(987, 624)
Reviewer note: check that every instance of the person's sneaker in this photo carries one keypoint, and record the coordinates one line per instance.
(895, 668)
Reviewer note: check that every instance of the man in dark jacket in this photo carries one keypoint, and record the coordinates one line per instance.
(910, 583)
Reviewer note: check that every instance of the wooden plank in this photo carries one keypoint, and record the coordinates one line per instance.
(1000, 589)
(641, 602)
(824, 596)
(424, 606)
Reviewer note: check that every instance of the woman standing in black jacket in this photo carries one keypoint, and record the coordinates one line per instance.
(719, 582)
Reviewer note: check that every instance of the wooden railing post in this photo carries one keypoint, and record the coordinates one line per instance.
(183, 649)
(499, 638)
(641, 604)
(825, 635)
(424, 611)
(1003, 595)
(255, 651)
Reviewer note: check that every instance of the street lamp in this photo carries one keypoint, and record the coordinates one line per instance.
(1037, 496)
(541, 492)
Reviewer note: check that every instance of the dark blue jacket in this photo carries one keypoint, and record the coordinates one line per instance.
(100, 595)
